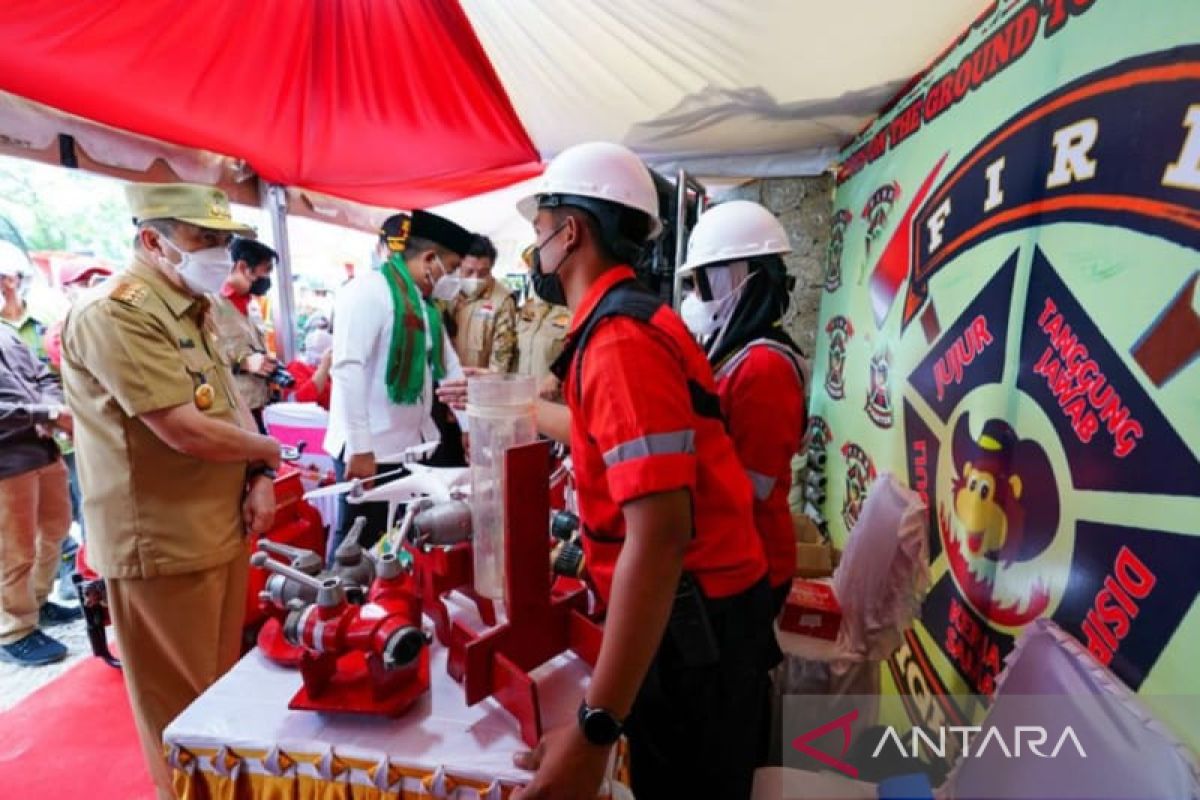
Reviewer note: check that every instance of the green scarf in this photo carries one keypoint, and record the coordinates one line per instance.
(406, 354)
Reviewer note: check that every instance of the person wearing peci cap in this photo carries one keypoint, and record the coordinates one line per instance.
(389, 349)
(172, 468)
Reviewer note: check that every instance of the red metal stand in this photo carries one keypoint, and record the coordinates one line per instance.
(498, 661)
(442, 570)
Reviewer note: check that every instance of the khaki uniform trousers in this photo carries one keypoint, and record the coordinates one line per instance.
(177, 635)
(35, 517)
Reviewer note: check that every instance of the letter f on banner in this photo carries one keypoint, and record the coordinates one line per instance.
(842, 723)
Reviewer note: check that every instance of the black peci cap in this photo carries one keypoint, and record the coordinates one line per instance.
(399, 228)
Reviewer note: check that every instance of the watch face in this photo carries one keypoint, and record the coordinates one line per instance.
(599, 726)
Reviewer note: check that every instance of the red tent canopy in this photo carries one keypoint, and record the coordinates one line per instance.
(387, 103)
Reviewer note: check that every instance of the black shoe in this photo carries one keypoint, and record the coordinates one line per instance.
(51, 614)
(35, 650)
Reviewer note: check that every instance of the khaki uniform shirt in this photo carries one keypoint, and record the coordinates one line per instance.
(237, 337)
(485, 336)
(134, 346)
(541, 331)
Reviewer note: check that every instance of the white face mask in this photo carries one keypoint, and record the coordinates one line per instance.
(472, 287)
(700, 317)
(202, 271)
(704, 318)
(446, 287)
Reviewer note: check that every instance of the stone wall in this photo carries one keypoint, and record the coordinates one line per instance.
(804, 206)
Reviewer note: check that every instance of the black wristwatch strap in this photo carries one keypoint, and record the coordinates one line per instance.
(260, 469)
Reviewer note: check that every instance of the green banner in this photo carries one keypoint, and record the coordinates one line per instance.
(1011, 325)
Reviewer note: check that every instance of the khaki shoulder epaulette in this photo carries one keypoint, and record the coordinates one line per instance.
(130, 292)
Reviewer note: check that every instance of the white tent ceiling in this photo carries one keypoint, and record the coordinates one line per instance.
(723, 87)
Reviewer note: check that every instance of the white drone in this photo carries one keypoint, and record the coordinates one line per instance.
(419, 482)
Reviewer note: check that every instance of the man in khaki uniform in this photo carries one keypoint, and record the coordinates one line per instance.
(239, 337)
(171, 470)
(541, 331)
(484, 313)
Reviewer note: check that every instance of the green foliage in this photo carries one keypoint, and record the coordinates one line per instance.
(60, 209)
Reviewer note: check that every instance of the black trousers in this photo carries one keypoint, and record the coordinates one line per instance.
(702, 731)
(779, 596)
(376, 513)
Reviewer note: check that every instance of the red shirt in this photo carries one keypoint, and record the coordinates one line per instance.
(634, 433)
(762, 400)
(305, 390)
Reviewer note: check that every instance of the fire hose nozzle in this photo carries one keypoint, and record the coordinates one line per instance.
(304, 560)
(387, 566)
(329, 591)
(351, 542)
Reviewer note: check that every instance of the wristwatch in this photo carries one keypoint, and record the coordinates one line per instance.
(260, 469)
(599, 727)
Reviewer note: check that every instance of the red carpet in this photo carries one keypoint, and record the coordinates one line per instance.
(74, 738)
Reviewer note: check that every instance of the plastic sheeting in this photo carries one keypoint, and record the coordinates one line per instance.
(883, 574)
(387, 103)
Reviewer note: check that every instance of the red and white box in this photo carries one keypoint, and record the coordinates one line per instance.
(812, 609)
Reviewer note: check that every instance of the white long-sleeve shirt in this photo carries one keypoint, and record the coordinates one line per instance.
(361, 417)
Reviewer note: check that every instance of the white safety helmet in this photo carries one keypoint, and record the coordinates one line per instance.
(733, 230)
(13, 261)
(599, 170)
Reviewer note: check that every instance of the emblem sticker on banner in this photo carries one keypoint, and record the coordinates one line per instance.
(860, 474)
(837, 242)
(840, 331)
(879, 390)
(876, 212)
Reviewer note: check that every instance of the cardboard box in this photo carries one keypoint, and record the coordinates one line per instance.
(813, 560)
(806, 530)
(812, 610)
(814, 557)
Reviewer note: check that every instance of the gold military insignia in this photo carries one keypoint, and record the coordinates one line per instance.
(219, 211)
(131, 293)
(562, 320)
(398, 244)
(205, 395)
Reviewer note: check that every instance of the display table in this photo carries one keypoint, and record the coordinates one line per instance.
(239, 740)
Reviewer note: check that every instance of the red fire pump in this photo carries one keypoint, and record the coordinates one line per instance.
(367, 659)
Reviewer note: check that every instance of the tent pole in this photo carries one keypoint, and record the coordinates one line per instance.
(274, 203)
